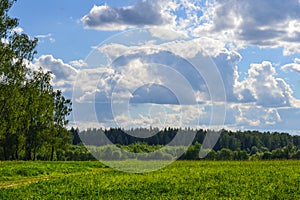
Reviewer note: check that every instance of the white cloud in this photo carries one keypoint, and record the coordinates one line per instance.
(64, 74)
(297, 60)
(61, 70)
(144, 13)
(78, 63)
(292, 66)
(264, 88)
(44, 37)
(226, 61)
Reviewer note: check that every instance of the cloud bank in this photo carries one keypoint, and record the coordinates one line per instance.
(240, 23)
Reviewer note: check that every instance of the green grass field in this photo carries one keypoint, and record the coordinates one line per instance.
(180, 180)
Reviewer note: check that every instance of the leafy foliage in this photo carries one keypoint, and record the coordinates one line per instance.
(32, 114)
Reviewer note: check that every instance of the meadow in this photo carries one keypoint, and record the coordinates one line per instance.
(180, 180)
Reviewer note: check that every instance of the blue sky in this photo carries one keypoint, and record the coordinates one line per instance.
(210, 63)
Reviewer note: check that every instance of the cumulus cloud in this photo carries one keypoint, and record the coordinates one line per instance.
(227, 61)
(61, 70)
(264, 88)
(64, 74)
(144, 13)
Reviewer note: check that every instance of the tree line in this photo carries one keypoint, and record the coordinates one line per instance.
(233, 140)
(32, 114)
(232, 145)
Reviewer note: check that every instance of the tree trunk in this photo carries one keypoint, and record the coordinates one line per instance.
(34, 153)
(52, 153)
(29, 143)
(17, 153)
(28, 148)
(5, 153)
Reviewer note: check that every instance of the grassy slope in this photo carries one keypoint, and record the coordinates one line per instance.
(180, 180)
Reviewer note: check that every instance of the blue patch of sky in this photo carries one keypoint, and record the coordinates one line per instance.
(61, 19)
